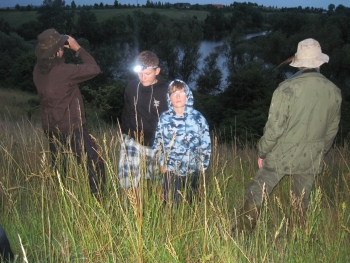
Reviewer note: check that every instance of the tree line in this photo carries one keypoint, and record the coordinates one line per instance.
(181, 5)
(236, 106)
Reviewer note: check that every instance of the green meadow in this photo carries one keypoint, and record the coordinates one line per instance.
(53, 218)
(17, 18)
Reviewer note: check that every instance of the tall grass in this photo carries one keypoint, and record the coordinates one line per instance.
(53, 218)
(16, 104)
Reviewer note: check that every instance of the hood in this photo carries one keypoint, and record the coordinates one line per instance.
(189, 97)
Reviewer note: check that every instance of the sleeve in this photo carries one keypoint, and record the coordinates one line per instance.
(332, 128)
(206, 144)
(276, 123)
(157, 148)
(156, 138)
(124, 118)
(77, 73)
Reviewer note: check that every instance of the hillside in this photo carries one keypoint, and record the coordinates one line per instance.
(17, 18)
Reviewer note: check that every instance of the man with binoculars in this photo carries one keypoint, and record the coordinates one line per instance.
(63, 113)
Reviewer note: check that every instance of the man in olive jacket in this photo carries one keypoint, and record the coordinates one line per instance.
(302, 124)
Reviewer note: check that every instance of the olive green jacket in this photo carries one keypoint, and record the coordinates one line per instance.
(302, 124)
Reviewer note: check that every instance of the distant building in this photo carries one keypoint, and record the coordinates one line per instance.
(218, 6)
(183, 5)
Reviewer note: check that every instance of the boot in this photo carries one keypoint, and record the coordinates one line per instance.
(247, 217)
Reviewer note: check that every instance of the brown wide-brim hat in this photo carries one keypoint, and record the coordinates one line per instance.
(49, 41)
(309, 55)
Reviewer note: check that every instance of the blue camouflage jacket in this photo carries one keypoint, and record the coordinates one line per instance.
(183, 142)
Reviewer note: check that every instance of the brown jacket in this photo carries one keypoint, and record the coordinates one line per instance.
(60, 97)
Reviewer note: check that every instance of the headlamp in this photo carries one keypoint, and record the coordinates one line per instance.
(139, 68)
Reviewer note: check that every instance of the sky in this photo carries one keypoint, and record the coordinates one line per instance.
(275, 3)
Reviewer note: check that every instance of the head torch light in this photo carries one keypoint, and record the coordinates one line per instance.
(139, 68)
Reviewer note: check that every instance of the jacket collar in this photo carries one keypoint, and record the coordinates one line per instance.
(308, 70)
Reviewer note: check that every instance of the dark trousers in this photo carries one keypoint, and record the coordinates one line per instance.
(266, 179)
(188, 185)
(79, 142)
(6, 254)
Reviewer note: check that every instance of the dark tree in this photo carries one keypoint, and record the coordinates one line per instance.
(17, 61)
(145, 25)
(29, 30)
(190, 37)
(114, 29)
(4, 26)
(73, 5)
(331, 8)
(87, 25)
(215, 24)
(167, 48)
(69, 21)
(209, 81)
(21, 71)
(51, 15)
(247, 98)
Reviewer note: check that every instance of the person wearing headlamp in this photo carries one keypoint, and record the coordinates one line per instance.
(145, 99)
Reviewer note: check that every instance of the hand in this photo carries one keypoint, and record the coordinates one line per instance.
(260, 162)
(163, 169)
(73, 44)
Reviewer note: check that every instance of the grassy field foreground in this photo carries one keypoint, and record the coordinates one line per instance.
(53, 219)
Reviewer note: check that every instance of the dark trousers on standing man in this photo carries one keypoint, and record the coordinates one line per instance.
(79, 142)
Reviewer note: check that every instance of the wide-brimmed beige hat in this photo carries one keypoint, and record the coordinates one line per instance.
(49, 41)
(309, 55)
